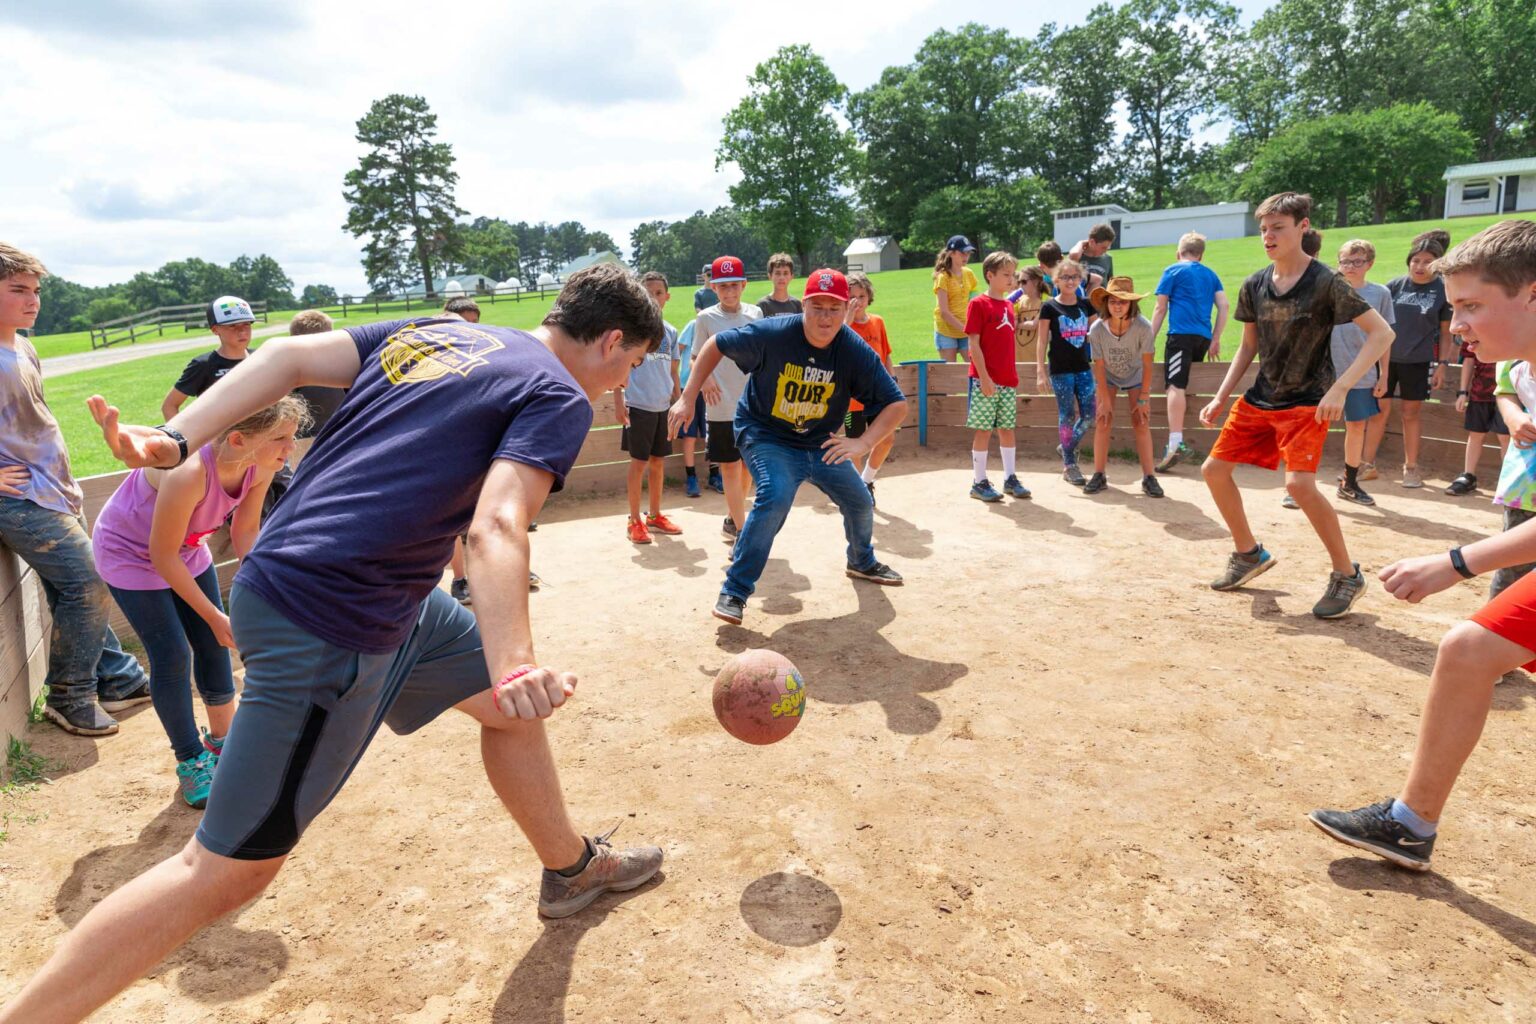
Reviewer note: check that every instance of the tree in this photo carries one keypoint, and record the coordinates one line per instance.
(318, 295)
(679, 249)
(262, 280)
(1076, 154)
(111, 307)
(1485, 68)
(401, 192)
(1313, 155)
(795, 156)
(1015, 216)
(488, 245)
(1406, 148)
(1347, 54)
(1168, 81)
(955, 116)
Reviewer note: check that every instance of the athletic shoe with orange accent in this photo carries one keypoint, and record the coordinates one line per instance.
(638, 534)
(661, 524)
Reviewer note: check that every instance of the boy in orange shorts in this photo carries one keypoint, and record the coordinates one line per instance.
(1490, 280)
(1288, 311)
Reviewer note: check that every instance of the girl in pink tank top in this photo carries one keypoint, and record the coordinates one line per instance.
(151, 548)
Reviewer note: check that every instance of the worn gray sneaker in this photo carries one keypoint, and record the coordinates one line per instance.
(1241, 568)
(1342, 593)
(609, 870)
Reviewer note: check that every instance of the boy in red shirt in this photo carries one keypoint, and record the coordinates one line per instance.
(993, 400)
(870, 327)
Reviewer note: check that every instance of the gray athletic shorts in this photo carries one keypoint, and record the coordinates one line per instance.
(310, 709)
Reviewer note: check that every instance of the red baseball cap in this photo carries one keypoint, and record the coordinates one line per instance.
(726, 268)
(827, 282)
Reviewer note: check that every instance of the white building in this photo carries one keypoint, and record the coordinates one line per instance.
(1154, 227)
(1499, 186)
(872, 255)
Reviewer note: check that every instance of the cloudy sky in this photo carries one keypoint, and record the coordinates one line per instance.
(141, 131)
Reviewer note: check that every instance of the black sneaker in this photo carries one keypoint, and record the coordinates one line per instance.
(730, 609)
(1374, 830)
(460, 591)
(871, 485)
(1072, 475)
(729, 530)
(1095, 484)
(1357, 494)
(1150, 487)
(1340, 595)
(878, 573)
(1464, 484)
(82, 720)
(140, 695)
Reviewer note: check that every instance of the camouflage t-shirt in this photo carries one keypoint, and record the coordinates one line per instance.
(1294, 333)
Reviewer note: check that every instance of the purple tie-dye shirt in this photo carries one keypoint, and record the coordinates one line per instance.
(30, 436)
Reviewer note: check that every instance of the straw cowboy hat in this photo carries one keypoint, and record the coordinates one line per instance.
(1117, 288)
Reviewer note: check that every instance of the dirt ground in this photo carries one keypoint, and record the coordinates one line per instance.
(1053, 778)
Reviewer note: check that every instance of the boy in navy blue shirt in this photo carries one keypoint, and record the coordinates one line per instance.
(801, 372)
(341, 623)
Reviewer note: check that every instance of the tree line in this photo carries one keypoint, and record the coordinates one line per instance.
(68, 306)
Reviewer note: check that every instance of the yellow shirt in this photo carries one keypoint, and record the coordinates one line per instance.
(958, 292)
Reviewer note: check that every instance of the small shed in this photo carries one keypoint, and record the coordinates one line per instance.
(873, 255)
(1496, 186)
(1154, 227)
(453, 289)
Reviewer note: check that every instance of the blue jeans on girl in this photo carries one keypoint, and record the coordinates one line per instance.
(1074, 397)
(181, 647)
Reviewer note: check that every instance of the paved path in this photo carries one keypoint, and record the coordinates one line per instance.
(58, 366)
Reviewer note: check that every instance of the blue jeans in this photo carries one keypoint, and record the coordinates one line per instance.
(779, 471)
(170, 630)
(84, 658)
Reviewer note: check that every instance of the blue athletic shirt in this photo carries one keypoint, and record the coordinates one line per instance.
(1191, 288)
(369, 521)
(797, 393)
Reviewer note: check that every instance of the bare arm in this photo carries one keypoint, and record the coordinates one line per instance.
(1223, 317)
(841, 448)
(1240, 363)
(246, 524)
(180, 491)
(983, 378)
(171, 405)
(1378, 340)
(1042, 342)
(1160, 314)
(1461, 388)
(1414, 579)
(1445, 347)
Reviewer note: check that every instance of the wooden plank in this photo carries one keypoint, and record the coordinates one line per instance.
(612, 477)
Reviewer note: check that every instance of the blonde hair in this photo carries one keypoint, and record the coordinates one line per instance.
(941, 265)
(1359, 246)
(995, 261)
(1295, 205)
(13, 261)
(310, 321)
(859, 279)
(1192, 244)
(1503, 254)
(289, 408)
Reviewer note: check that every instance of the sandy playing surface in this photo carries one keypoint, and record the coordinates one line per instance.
(1053, 778)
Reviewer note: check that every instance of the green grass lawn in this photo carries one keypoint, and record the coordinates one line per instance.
(49, 345)
(903, 297)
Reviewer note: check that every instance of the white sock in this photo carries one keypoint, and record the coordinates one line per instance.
(979, 464)
(1010, 461)
(1175, 437)
(868, 476)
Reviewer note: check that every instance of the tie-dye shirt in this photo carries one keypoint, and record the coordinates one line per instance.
(1517, 476)
(30, 436)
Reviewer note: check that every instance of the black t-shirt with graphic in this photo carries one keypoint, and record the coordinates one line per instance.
(1068, 351)
(203, 371)
(1295, 333)
(773, 307)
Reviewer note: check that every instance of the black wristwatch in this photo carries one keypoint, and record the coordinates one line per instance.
(178, 437)
(1460, 565)
(1460, 393)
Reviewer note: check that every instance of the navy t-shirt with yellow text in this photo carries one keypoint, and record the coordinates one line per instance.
(799, 393)
(369, 521)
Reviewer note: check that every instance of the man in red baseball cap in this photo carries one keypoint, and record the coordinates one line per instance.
(801, 371)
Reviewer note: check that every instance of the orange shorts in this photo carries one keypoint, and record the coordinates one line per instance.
(1262, 437)
(1512, 615)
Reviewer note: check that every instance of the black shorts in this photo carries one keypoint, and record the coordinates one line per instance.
(1483, 418)
(696, 428)
(1408, 381)
(722, 442)
(646, 436)
(1180, 353)
(855, 423)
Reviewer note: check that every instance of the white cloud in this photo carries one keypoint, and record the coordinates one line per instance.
(140, 131)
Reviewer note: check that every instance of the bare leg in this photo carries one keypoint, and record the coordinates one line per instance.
(1229, 501)
(1470, 661)
(632, 484)
(522, 771)
(1324, 520)
(1176, 402)
(1102, 429)
(1354, 441)
(219, 717)
(1413, 430)
(688, 446)
(1143, 435)
(881, 452)
(1376, 429)
(128, 933)
(1474, 452)
(734, 476)
(458, 561)
(655, 468)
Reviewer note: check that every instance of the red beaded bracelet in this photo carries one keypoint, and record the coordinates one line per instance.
(509, 678)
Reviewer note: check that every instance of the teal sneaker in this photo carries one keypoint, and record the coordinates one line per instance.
(196, 778)
(983, 490)
(213, 744)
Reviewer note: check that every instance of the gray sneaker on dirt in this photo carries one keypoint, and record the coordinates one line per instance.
(82, 720)
(1183, 453)
(1150, 487)
(1241, 568)
(1072, 475)
(128, 700)
(1342, 593)
(1411, 477)
(878, 573)
(609, 870)
(1374, 830)
(1095, 484)
(729, 609)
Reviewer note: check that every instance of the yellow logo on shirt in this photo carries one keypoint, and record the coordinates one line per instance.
(802, 395)
(415, 355)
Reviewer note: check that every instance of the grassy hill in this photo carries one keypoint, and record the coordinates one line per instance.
(903, 297)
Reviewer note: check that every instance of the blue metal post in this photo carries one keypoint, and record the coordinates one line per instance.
(922, 396)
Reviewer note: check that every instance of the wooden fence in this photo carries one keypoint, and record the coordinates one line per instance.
(407, 303)
(935, 420)
(155, 321)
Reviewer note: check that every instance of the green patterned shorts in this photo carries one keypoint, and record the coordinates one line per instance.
(1000, 412)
